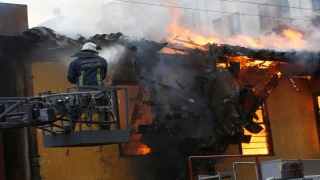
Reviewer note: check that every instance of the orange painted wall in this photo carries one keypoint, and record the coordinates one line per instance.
(293, 127)
(98, 163)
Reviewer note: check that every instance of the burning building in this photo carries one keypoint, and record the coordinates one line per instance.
(185, 99)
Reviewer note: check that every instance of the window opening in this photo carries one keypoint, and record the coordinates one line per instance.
(260, 143)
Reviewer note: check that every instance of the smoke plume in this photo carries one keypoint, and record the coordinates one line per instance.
(151, 20)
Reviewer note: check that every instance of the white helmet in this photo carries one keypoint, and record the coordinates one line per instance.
(91, 46)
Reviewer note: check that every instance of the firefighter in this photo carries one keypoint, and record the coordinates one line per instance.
(89, 69)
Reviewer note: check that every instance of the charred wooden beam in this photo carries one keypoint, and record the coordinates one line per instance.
(169, 87)
(294, 84)
(151, 102)
(180, 84)
(147, 79)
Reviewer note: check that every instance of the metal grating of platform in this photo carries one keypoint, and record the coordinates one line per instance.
(86, 138)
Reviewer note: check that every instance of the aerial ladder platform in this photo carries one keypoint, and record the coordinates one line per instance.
(81, 106)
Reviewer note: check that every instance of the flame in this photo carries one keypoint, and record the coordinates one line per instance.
(308, 78)
(245, 61)
(258, 143)
(290, 39)
(222, 65)
(249, 41)
(171, 51)
(279, 74)
(191, 39)
(177, 29)
(143, 150)
(295, 38)
(252, 42)
(262, 64)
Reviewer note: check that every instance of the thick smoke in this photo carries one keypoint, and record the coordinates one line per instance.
(113, 53)
(304, 37)
(79, 19)
(310, 32)
(143, 20)
(136, 20)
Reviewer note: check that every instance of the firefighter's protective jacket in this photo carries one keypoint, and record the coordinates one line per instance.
(88, 69)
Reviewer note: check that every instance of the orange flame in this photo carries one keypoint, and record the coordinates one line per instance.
(252, 42)
(279, 74)
(295, 38)
(290, 39)
(177, 29)
(145, 150)
(245, 61)
(258, 143)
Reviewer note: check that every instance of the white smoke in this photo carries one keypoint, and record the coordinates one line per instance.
(149, 19)
(137, 20)
(72, 18)
(113, 53)
(311, 33)
(103, 17)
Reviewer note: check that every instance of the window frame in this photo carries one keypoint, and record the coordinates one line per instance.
(217, 26)
(234, 23)
(313, 5)
(317, 111)
(280, 9)
(266, 122)
(120, 145)
(263, 16)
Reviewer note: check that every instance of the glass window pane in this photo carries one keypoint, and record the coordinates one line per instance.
(234, 24)
(283, 9)
(217, 25)
(316, 5)
(264, 19)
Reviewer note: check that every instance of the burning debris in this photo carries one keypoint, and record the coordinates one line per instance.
(293, 84)
(200, 100)
(208, 109)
